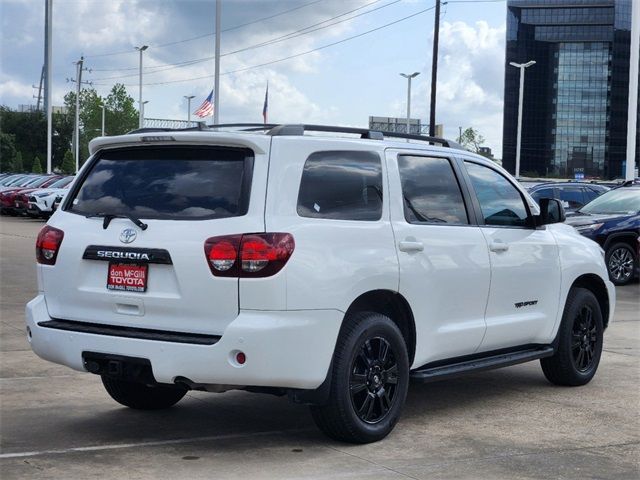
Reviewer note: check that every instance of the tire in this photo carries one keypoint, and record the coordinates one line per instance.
(141, 396)
(371, 374)
(579, 341)
(621, 263)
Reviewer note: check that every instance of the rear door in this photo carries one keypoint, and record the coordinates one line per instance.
(184, 194)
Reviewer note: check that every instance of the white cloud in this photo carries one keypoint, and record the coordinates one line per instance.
(470, 81)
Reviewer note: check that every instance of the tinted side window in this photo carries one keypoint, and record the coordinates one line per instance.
(430, 190)
(543, 193)
(500, 201)
(571, 197)
(341, 185)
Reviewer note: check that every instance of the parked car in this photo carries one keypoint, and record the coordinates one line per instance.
(12, 180)
(329, 268)
(9, 199)
(573, 195)
(613, 221)
(40, 202)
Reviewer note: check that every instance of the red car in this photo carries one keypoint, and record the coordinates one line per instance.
(11, 204)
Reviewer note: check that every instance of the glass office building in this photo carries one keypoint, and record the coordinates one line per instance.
(576, 95)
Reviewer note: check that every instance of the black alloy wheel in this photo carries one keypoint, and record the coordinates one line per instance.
(369, 380)
(579, 341)
(374, 379)
(584, 339)
(620, 263)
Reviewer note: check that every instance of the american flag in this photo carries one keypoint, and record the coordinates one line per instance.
(265, 108)
(206, 109)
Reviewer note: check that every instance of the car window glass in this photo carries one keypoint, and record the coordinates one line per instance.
(341, 185)
(543, 193)
(430, 191)
(500, 202)
(176, 183)
(571, 197)
(620, 200)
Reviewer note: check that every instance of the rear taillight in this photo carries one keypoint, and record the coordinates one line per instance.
(253, 255)
(48, 245)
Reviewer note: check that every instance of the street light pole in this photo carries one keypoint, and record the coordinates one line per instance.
(409, 77)
(103, 120)
(140, 115)
(216, 80)
(142, 111)
(189, 97)
(522, 67)
(47, 84)
(632, 113)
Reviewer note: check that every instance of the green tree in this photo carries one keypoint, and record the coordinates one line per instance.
(471, 139)
(37, 166)
(18, 166)
(68, 164)
(120, 114)
(29, 131)
(7, 152)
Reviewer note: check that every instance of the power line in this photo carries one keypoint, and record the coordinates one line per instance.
(244, 69)
(235, 27)
(288, 36)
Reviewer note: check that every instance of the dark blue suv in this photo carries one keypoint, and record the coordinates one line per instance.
(613, 220)
(573, 195)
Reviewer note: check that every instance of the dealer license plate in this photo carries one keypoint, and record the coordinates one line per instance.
(128, 277)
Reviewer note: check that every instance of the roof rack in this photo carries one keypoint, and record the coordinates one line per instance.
(275, 129)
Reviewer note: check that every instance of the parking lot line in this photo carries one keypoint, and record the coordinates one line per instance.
(155, 443)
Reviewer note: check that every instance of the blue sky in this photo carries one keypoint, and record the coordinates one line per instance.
(342, 84)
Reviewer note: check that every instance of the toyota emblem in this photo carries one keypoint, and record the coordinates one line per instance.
(128, 235)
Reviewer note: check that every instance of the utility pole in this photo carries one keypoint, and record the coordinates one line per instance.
(189, 97)
(522, 67)
(47, 85)
(632, 113)
(140, 114)
(460, 135)
(434, 72)
(409, 77)
(216, 81)
(76, 128)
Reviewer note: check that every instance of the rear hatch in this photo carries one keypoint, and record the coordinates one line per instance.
(135, 226)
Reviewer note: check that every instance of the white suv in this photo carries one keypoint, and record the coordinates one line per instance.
(330, 268)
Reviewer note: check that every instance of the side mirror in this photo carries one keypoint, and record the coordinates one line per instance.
(551, 211)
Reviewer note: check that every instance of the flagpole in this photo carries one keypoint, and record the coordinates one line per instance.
(216, 83)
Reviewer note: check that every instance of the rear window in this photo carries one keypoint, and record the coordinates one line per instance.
(341, 185)
(176, 183)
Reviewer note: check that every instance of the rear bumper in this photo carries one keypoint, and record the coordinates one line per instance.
(288, 349)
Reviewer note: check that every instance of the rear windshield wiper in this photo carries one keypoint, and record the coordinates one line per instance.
(110, 216)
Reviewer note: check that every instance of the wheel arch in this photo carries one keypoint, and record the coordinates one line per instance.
(629, 238)
(393, 305)
(596, 285)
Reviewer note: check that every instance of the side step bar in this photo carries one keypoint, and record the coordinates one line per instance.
(489, 362)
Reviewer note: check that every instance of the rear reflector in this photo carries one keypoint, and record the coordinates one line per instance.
(248, 256)
(48, 245)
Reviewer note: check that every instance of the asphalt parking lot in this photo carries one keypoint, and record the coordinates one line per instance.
(509, 423)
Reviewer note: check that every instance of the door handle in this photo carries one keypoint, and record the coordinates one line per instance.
(498, 246)
(410, 246)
